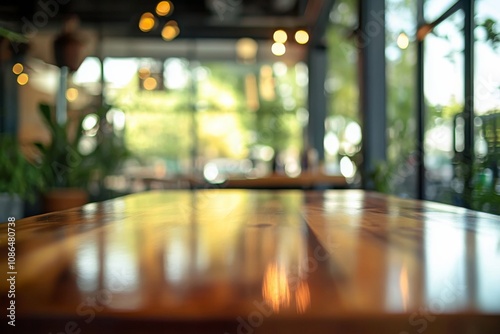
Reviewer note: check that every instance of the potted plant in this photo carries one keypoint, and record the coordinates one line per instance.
(20, 180)
(67, 168)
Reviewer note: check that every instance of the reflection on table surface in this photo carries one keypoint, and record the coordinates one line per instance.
(241, 261)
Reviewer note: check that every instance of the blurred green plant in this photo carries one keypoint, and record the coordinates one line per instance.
(18, 176)
(63, 163)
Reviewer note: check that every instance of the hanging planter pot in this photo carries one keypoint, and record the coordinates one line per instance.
(69, 50)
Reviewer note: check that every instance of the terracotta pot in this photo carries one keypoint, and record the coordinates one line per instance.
(64, 198)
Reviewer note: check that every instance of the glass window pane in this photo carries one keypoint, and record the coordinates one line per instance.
(487, 107)
(444, 95)
(158, 121)
(434, 9)
(398, 175)
(343, 132)
(242, 109)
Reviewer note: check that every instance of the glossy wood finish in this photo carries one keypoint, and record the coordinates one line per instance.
(304, 181)
(240, 261)
(276, 181)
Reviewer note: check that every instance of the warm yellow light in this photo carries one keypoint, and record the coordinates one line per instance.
(403, 41)
(267, 86)
(163, 8)
(17, 68)
(71, 94)
(301, 37)
(170, 31)
(280, 36)
(144, 73)
(278, 49)
(147, 22)
(150, 83)
(246, 48)
(22, 79)
(251, 92)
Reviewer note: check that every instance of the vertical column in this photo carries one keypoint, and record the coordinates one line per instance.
(468, 6)
(9, 99)
(371, 40)
(317, 62)
(420, 102)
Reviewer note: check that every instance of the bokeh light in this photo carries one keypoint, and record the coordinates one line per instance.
(17, 68)
(301, 37)
(71, 94)
(150, 83)
(22, 79)
(164, 8)
(278, 49)
(280, 36)
(403, 41)
(147, 22)
(170, 30)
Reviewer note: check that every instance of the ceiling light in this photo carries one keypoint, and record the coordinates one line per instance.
(280, 36)
(301, 37)
(164, 8)
(246, 48)
(170, 30)
(17, 68)
(150, 83)
(71, 94)
(22, 79)
(147, 22)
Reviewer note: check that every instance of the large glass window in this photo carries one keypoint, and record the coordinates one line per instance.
(444, 95)
(448, 170)
(397, 176)
(211, 118)
(486, 195)
(343, 132)
(158, 120)
(434, 9)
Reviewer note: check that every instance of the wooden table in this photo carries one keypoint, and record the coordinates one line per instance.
(240, 261)
(304, 181)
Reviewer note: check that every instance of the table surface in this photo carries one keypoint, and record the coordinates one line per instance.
(243, 261)
(304, 181)
(277, 181)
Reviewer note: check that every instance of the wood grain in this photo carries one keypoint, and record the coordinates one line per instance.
(240, 261)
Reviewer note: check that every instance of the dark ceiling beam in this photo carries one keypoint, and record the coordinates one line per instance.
(190, 31)
(195, 22)
(318, 13)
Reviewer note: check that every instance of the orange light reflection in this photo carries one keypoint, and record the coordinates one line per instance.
(275, 289)
(303, 297)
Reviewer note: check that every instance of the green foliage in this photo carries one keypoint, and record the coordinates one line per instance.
(63, 164)
(492, 35)
(274, 126)
(342, 79)
(17, 174)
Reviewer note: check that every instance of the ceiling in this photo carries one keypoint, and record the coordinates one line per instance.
(218, 19)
